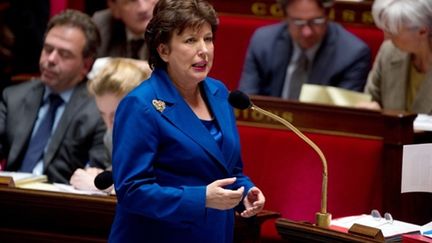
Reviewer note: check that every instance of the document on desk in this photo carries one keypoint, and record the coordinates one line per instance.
(71, 189)
(423, 122)
(391, 230)
(59, 187)
(417, 168)
(330, 95)
(426, 230)
(22, 178)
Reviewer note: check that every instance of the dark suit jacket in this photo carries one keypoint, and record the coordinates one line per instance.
(113, 34)
(341, 61)
(164, 159)
(78, 137)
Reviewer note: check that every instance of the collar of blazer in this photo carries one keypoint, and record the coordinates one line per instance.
(78, 99)
(179, 113)
(30, 108)
(423, 100)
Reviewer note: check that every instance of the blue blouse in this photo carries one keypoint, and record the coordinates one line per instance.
(214, 130)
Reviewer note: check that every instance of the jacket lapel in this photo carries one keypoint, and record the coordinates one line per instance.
(281, 60)
(399, 65)
(30, 110)
(79, 97)
(219, 105)
(179, 114)
(423, 100)
(323, 57)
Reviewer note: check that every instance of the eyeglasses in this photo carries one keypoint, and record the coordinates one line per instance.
(377, 216)
(300, 23)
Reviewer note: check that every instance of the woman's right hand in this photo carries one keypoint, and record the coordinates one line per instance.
(220, 198)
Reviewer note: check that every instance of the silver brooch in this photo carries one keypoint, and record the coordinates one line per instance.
(159, 105)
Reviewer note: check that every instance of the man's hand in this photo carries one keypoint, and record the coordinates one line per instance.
(84, 179)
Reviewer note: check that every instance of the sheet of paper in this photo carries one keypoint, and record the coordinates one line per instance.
(58, 187)
(388, 228)
(423, 122)
(417, 168)
(16, 175)
(21, 178)
(40, 186)
(329, 95)
(426, 230)
(71, 189)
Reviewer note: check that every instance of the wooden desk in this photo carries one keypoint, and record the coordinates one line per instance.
(42, 216)
(56, 217)
(302, 232)
(390, 130)
(358, 12)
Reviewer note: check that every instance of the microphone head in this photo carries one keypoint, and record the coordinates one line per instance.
(103, 180)
(239, 100)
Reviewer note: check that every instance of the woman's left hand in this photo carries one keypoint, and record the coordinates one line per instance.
(253, 202)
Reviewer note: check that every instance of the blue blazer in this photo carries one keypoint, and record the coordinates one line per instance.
(342, 60)
(163, 159)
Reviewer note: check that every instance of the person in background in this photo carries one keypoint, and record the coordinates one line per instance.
(401, 77)
(305, 48)
(27, 20)
(7, 40)
(122, 28)
(117, 77)
(177, 165)
(51, 125)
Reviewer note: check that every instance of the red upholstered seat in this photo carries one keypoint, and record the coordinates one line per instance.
(372, 36)
(289, 173)
(232, 40)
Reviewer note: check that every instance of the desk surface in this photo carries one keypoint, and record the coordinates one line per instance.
(63, 217)
(393, 128)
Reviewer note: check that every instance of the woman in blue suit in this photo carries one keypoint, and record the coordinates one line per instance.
(176, 163)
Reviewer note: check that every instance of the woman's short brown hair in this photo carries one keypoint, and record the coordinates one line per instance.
(175, 15)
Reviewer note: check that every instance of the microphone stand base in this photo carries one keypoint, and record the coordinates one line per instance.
(323, 219)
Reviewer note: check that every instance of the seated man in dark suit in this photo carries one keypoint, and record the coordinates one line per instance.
(52, 126)
(122, 28)
(305, 48)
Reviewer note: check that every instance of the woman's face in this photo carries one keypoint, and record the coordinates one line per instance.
(408, 39)
(107, 105)
(189, 55)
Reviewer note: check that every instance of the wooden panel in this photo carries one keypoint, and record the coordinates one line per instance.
(307, 233)
(35, 216)
(358, 12)
(394, 128)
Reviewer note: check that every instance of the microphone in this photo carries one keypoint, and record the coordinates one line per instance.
(241, 101)
(103, 180)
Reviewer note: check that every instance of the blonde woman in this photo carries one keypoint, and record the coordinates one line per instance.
(116, 78)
